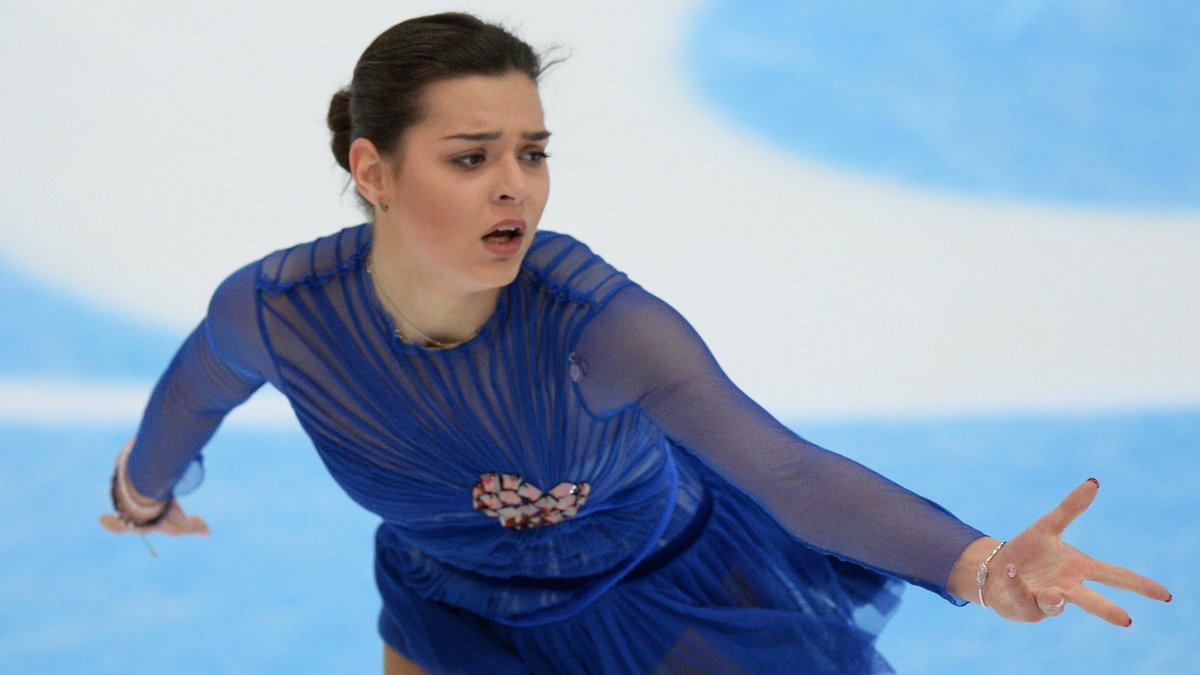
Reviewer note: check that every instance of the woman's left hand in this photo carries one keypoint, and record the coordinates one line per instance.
(1036, 573)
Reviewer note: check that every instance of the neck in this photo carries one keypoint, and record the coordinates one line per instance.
(425, 308)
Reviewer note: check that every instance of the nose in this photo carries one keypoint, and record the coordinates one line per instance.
(512, 185)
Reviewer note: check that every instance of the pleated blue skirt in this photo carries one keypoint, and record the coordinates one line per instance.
(734, 593)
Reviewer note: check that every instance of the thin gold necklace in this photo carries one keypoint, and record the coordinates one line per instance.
(430, 343)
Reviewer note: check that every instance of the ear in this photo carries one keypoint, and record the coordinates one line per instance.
(369, 170)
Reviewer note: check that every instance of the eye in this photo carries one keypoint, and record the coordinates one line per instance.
(468, 161)
(536, 157)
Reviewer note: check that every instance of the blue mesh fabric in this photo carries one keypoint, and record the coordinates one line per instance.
(713, 535)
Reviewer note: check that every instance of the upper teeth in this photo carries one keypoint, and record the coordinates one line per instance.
(508, 228)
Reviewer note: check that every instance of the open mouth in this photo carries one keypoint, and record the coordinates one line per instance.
(504, 234)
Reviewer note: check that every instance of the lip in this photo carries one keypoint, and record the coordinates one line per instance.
(510, 248)
(519, 224)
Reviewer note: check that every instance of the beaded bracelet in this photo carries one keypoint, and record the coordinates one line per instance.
(128, 510)
(982, 574)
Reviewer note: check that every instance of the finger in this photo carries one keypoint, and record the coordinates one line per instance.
(177, 523)
(1076, 503)
(197, 526)
(1050, 601)
(1097, 605)
(1127, 580)
(1022, 604)
(113, 524)
(174, 523)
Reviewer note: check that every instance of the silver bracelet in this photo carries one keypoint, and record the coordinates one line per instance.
(982, 574)
(127, 508)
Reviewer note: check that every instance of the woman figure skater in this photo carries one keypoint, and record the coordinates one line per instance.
(568, 482)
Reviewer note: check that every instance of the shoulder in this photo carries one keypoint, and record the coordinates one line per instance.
(232, 320)
(570, 270)
(313, 263)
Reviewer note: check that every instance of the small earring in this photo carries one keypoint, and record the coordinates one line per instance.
(383, 206)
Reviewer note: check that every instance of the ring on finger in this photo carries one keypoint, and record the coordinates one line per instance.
(1051, 611)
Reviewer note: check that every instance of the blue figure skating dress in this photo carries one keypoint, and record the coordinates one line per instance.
(577, 489)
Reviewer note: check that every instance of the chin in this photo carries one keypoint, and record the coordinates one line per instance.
(499, 274)
(510, 275)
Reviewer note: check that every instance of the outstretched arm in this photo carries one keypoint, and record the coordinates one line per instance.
(641, 352)
(218, 367)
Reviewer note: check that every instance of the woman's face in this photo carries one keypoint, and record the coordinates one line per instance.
(468, 184)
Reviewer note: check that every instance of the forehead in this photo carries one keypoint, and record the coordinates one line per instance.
(476, 103)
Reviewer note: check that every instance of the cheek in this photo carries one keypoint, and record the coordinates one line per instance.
(544, 192)
(435, 204)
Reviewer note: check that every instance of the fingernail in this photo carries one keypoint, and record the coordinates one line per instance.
(1129, 623)
(1170, 597)
(1012, 571)
(1096, 482)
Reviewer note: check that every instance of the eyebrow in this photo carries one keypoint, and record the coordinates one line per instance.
(493, 135)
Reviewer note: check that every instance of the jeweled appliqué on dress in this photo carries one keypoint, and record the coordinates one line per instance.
(519, 504)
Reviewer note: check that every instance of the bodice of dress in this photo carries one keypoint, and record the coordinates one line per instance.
(579, 377)
(408, 431)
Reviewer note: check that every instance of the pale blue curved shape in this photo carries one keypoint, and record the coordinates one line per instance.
(1090, 103)
(47, 333)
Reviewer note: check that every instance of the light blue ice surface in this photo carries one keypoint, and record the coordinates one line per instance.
(284, 583)
(1094, 103)
(50, 335)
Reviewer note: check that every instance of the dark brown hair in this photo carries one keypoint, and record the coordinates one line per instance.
(382, 100)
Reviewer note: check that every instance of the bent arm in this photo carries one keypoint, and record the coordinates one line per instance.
(219, 366)
(641, 352)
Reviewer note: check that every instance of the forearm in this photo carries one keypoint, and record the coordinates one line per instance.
(844, 508)
(187, 405)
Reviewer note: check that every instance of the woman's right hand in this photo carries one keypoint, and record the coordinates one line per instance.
(175, 522)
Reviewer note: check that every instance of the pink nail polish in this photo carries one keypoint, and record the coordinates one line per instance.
(1096, 482)
(1012, 571)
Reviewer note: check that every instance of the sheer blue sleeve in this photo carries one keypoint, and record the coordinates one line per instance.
(638, 351)
(219, 366)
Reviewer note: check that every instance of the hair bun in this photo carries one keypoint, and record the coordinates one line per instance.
(340, 125)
